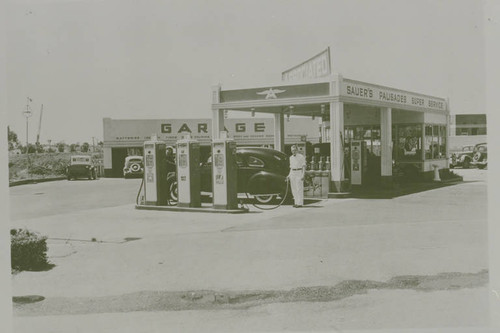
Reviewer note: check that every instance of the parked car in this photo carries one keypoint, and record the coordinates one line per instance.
(261, 173)
(133, 167)
(480, 157)
(462, 158)
(81, 166)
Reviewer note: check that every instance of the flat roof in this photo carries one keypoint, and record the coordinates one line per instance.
(311, 97)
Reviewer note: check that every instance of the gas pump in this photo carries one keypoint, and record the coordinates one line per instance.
(357, 161)
(224, 174)
(188, 173)
(155, 190)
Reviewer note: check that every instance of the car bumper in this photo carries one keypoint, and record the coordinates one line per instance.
(133, 173)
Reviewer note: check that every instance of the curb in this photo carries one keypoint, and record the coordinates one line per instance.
(34, 181)
(193, 209)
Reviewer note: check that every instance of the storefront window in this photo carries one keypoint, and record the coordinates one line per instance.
(409, 144)
(442, 141)
(428, 141)
(348, 135)
(376, 143)
(369, 134)
(435, 141)
(394, 142)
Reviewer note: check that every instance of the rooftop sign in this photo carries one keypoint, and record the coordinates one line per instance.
(315, 67)
(243, 130)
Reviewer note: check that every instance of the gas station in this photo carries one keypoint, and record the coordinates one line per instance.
(370, 136)
(366, 127)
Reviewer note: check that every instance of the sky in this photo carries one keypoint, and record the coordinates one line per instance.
(86, 60)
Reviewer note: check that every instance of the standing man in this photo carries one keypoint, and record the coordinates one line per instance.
(296, 176)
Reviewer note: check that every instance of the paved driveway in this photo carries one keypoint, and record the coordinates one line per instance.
(282, 269)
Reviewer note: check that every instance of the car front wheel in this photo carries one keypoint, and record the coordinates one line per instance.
(466, 164)
(172, 190)
(264, 198)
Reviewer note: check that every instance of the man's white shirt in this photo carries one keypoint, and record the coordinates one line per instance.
(297, 161)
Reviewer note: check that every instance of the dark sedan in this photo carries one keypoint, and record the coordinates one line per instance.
(261, 173)
(81, 166)
(480, 158)
(470, 156)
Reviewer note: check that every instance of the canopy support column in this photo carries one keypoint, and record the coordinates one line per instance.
(217, 114)
(336, 146)
(386, 146)
(279, 132)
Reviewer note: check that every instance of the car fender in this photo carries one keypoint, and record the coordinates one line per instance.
(264, 182)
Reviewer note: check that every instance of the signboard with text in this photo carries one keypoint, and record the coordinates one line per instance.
(366, 91)
(242, 130)
(315, 67)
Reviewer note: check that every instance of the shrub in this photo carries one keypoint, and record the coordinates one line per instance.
(60, 167)
(28, 251)
(38, 169)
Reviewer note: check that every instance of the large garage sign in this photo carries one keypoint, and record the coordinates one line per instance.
(371, 92)
(242, 130)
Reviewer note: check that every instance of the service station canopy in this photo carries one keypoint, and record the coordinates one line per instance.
(314, 98)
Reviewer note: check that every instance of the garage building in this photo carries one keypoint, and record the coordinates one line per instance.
(125, 137)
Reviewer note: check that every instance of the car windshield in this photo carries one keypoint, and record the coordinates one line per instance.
(481, 149)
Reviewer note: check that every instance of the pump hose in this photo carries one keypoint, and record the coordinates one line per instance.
(169, 202)
(282, 200)
(139, 193)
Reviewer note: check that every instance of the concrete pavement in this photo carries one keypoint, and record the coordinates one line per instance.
(333, 241)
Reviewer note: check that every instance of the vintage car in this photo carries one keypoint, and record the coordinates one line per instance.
(462, 158)
(480, 157)
(81, 166)
(133, 166)
(261, 173)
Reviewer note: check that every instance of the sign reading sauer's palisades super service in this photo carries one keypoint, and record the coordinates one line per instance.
(357, 89)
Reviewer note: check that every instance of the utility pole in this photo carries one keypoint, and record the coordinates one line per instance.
(93, 145)
(27, 113)
(39, 127)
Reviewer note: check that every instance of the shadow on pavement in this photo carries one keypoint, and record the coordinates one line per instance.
(399, 190)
